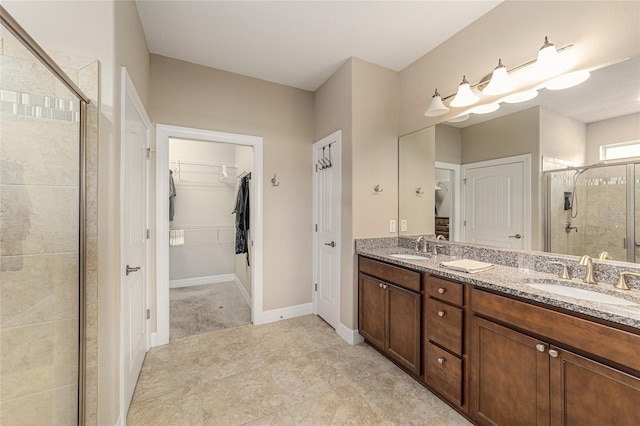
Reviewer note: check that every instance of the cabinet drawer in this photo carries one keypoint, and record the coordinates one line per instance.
(444, 325)
(443, 372)
(400, 276)
(448, 291)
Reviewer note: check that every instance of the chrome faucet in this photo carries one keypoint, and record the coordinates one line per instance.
(588, 276)
(564, 274)
(424, 243)
(604, 256)
(440, 237)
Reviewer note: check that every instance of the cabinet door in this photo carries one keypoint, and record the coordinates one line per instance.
(585, 392)
(403, 327)
(509, 376)
(372, 310)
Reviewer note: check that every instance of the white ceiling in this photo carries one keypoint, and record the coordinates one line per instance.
(302, 43)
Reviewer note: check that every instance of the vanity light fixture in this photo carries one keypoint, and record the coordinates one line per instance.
(548, 63)
(465, 96)
(518, 97)
(437, 107)
(567, 80)
(485, 109)
(500, 81)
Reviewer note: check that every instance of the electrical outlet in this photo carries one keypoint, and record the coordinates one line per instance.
(403, 225)
(392, 225)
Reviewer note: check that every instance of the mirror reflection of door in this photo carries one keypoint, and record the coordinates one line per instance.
(443, 202)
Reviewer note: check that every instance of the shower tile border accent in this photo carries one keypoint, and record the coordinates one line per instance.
(39, 106)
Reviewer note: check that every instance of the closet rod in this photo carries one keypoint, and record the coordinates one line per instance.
(202, 163)
(243, 174)
(204, 228)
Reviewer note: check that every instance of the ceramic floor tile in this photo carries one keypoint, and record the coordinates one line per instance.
(181, 408)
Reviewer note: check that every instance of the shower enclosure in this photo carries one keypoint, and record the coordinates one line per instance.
(41, 235)
(594, 209)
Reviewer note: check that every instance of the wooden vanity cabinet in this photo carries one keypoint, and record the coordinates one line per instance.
(523, 372)
(389, 314)
(444, 345)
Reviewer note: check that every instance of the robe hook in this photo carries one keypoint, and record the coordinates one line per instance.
(274, 182)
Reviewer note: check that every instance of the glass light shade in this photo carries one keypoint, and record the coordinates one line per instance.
(465, 96)
(567, 80)
(437, 107)
(548, 63)
(485, 109)
(501, 81)
(459, 119)
(520, 97)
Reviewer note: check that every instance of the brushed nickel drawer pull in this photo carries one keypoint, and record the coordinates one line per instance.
(441, 290)
(553, 353)
(380, 285)
(441, 360)
(441, 313)
(540, 347)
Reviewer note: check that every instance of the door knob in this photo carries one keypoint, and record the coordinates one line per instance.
(517, 236)
(332, 244)
(130, 269)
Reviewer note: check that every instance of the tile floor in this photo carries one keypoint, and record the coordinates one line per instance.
(292, 372)
(204, 308)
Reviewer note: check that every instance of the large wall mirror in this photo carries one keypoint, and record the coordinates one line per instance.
(580, 203)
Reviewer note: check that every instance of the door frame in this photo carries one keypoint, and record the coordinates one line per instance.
(525, 159)
(455, 199)
(337, 162)
(128, 90)
(163, 134)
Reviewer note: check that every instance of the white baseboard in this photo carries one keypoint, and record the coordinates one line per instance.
(285, 313)
(212, 279)
(243, 290)
(352, 337)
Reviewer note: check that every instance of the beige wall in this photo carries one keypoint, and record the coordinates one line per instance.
(514, 31)
(190, 95)
(615, 130)
(562, 138)
(448, 144)
(333, 107)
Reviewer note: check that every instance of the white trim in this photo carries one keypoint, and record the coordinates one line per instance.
(128, 91)
(525, 159)
(454, 232)
(286, 313)
(154, 340)
(352, 337)
(211, 279)
(240, 286)
(163, 133)
(335, 137)
(119, 421)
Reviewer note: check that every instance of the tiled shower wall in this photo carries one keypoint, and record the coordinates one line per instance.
(599, 210)
(39, 260)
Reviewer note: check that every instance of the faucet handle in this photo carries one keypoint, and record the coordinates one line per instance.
(622, 280)
(565, 271)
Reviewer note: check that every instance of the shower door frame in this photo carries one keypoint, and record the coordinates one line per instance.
(630, 175)
(8, 22)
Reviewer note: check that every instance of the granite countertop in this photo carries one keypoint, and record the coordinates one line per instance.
(513, 281)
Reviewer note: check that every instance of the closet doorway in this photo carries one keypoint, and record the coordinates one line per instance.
(208, 268)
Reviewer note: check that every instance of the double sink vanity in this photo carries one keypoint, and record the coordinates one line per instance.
(511, 345)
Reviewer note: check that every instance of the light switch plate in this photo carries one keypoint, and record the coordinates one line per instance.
(403, 225)
(392, 225)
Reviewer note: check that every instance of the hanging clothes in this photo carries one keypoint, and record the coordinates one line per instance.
(172, 196)
(242, 217)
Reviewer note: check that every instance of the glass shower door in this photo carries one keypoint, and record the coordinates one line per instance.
(39, 242)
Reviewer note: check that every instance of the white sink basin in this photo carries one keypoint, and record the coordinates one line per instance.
(578, 293)
(408, 256)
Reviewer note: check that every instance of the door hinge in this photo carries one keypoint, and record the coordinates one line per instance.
(316, 227)
(464, 223)
(316, 286)
(464, 181)
(148, 153)
(148, 313)
(148, 234)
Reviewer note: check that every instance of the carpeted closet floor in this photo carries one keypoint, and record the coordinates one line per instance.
(205, 308)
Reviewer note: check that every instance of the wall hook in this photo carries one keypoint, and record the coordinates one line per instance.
(274, 182)
(377, 188)
(419, 190)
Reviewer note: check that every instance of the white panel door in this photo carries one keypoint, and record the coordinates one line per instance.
(495, 205)
(134, 327)
(327, 210)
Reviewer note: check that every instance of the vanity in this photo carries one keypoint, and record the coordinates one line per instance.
(496, 347)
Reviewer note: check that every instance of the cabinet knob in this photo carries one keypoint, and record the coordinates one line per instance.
(384, 286)
(380, 285)
(553, 353)
(440, 290)
(441, 360)
(540, 347)
(440, 313)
